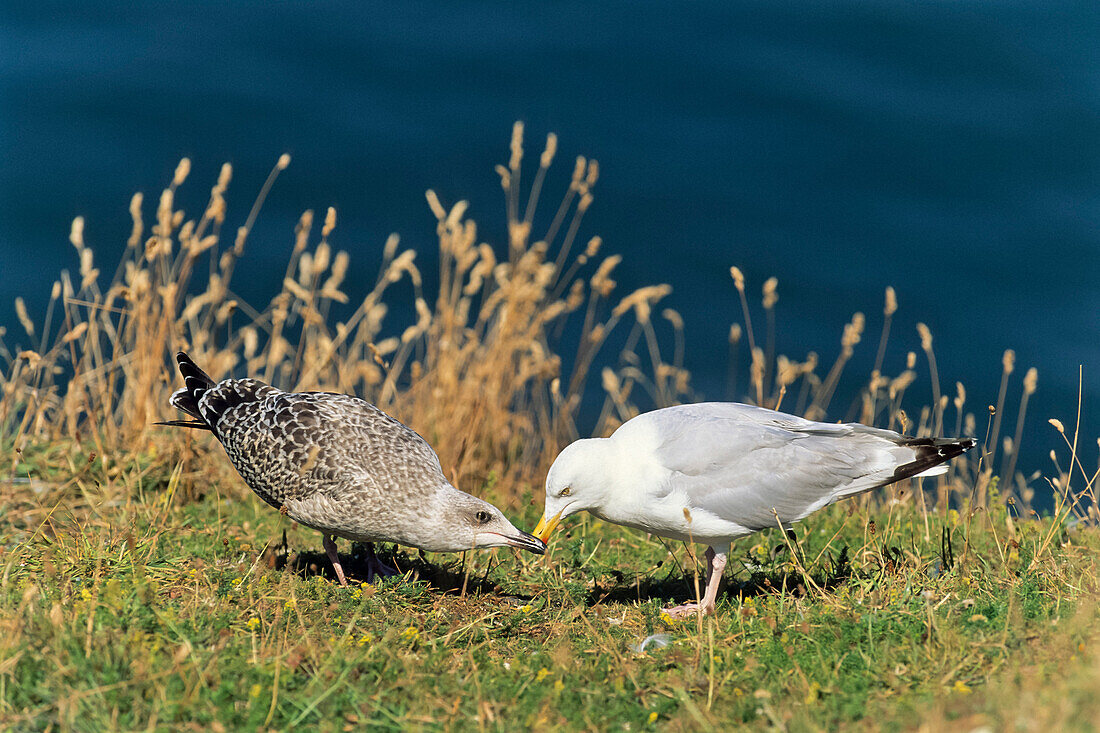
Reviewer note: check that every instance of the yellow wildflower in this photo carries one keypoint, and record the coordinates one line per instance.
(652, 718)
(253, 623)
(410, 634)
(961, 687)
(542, 674)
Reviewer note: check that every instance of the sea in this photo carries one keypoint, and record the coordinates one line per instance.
(950, 150)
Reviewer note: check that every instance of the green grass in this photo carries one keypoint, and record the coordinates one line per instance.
(135, 614)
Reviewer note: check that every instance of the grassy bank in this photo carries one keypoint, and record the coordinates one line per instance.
(143, 587)
(153, 614)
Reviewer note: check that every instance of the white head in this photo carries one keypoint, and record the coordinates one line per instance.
(578, 480)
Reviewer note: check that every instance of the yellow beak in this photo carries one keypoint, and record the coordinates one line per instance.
(547, 526)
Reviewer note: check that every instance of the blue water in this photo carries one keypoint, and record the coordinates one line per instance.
(950, 149)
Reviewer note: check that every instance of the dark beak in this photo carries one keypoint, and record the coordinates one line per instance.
(526, 541)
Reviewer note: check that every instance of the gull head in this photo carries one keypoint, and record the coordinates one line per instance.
(471, 523)
(579, 480)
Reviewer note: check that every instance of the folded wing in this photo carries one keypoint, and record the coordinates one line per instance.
(740, 462)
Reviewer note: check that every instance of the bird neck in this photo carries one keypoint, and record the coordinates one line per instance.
(622, 479)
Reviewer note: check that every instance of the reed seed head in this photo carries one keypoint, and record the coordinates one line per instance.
(770, 295)
(516, 146)
(24, 319)
(549, 151)
(330, 222)
(674, 318)
(593, 173)
(433, 203)
(738, 278)
(183, 169)
(225, 175)
(601, 281)
(579, 167)
(1031, 381)
(76, 233)
(925, 336)
(891, 301)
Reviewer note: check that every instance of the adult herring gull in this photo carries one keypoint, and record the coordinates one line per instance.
(714, 471)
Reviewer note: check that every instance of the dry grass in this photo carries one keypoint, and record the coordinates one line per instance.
(493, 370)
(478, 372)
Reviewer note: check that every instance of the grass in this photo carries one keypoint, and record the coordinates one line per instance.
(156, 614)
(143, 587)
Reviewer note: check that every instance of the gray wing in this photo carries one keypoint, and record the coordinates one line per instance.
(740, 461)
(293, 445)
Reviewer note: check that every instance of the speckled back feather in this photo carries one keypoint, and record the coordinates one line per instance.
(333, 462)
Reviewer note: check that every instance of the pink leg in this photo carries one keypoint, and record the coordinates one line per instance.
(330, 547)
(717, 567)
(716, 564)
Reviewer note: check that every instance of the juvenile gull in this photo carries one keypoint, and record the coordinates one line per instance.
(340, 465)
(714, 471)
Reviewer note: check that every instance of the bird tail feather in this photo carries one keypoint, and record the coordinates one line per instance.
(196, 383)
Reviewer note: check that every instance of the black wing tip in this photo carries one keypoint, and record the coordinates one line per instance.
(931, 452)
(951, 447)
(942, 444)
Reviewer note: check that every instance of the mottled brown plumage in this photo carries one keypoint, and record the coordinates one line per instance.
(340, 465)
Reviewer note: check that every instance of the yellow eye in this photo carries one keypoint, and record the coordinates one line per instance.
(566, 491)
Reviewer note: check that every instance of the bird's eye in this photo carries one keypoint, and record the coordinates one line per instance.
(566, 491)
(483, 517)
